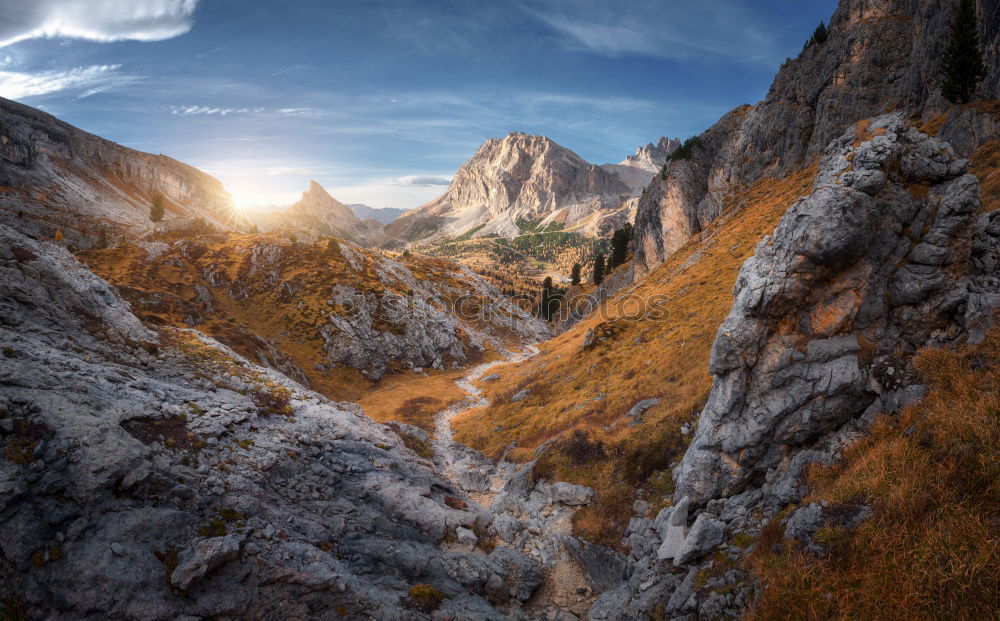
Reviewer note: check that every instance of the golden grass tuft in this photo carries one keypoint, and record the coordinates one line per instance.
(932, 477)
(425, 597)
(986, 167)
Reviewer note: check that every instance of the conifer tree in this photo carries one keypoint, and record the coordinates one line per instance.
(58, 236)
(156, 209)
(821, 34)
(963, 65)
(575, 275)
(102, 239)
(598, 269)
(545, 305)
(619, 246)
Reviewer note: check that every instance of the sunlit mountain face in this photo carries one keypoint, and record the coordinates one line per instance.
(524, 310)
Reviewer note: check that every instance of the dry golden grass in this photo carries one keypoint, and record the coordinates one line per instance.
(664, 357)
(413, 399)
(932, 476)
(986, 167)
(290, 321)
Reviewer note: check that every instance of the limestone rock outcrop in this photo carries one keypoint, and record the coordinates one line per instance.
(881, 55)
(56, 176)
(366, 309)
(885, 256)
(517, 178)
(889, 253)
(637, 169)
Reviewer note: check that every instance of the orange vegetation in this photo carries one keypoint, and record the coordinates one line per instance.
(286, 303)
(665, 355)
(932, 476)
(986, 166)
(413, 399)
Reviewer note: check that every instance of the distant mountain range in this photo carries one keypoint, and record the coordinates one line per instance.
(63, 178)
(382, 215)
(531, 180)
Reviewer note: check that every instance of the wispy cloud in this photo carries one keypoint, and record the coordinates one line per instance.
(88, 80)
(107, 20)
(422, 180)
(210, 111)
(311, 112)
(654, 28)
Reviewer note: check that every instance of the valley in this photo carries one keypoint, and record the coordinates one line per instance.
(751, 374)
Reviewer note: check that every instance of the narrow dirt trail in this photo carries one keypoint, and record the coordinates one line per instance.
(456, 460)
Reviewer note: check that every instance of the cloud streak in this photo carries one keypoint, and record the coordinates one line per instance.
(107, 20)
(210, 111)
(422, 180)
(703, 30)
(89, 80)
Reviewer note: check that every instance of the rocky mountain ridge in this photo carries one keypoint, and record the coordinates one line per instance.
(526, 178)
(382, 215)
(638, 169)
(887, 254)
(880, 56)
(55, 176)
(334, 317)
(321, 214)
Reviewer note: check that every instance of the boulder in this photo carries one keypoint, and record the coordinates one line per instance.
(203, 556)
(706, 533)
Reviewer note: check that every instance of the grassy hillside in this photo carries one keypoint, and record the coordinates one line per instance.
(578, 396)
(285, 304)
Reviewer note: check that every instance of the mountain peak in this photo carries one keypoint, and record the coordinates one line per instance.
(652, 156)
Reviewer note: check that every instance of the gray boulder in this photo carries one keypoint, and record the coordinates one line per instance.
(203, 556)
(706, 533)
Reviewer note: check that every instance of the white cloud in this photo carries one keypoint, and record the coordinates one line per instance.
(95, 20)
(311, 112)
(92, 80)
(210, 110)
(422, 180)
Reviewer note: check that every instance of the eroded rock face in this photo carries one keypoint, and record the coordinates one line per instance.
(67, 178)
(637, 169)
(887, 254)
(881, 55)
(518, 177)
(147, 463)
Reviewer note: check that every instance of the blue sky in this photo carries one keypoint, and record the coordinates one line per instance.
(380, 101)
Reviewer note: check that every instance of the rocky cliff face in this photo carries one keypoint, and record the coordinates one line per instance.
(319, 213)
(516, 178)
(882, 55)
(53, 175)
(888, 254)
